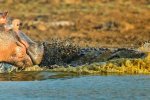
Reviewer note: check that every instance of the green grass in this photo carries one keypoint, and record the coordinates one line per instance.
(122, 66)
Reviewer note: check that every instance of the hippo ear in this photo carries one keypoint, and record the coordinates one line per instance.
(5, 14)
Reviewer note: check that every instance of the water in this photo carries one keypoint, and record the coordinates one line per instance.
(59, 86)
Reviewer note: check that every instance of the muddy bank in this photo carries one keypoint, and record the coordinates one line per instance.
(98, 23)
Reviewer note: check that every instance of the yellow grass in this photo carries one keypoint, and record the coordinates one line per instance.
(123, 66)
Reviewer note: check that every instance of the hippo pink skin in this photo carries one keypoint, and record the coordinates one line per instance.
(3, 17)
(12, 51)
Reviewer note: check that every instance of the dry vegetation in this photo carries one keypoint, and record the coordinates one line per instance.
(101, 23)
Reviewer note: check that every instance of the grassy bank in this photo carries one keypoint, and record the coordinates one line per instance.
(122, 66)
(119, 66)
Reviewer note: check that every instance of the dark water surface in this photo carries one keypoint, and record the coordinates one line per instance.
(58, 86)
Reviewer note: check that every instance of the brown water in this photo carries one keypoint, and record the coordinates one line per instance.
(60, 86)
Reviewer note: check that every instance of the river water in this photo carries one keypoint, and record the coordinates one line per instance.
(60, 86)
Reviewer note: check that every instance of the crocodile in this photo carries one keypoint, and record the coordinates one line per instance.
(64, 55)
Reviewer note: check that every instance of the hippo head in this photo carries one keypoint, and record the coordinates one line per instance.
(16, 47)
(33, 49)
(14, 52)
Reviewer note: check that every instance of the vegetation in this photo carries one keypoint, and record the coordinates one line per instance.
(89, 23)
(122, 66)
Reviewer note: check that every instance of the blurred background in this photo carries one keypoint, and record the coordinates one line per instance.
(94, 23)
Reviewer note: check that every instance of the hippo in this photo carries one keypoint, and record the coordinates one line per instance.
(33, 49)
(24, 51)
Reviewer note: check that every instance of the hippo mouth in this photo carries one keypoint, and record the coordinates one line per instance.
(35, 52)
(33, 56)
